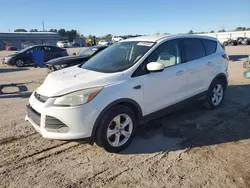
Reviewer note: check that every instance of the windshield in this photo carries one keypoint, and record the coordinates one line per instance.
(88, 52)
(118, 57)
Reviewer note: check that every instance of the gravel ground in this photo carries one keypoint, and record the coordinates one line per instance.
(190, 148)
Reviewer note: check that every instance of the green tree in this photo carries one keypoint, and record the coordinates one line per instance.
(191, 32)
(20, 30)
(212, 31)
(241, 29)
(221, 31)
(62, 32)
(33, 30)
(108, 36)
(53, 30)
(72, 34)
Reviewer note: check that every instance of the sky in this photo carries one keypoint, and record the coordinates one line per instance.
(122, 17)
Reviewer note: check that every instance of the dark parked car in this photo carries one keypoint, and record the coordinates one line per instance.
(10, 48)
(24, 57)
(243, 40)
(63, 62)
(230, 42)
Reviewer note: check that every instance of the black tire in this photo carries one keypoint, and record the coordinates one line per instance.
(225, 43)
(19, 63)
(209, 104)
(106, 121)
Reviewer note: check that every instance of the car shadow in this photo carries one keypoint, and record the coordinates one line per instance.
(237, 57)
(17, 90)
(194, 126)
(12, 70)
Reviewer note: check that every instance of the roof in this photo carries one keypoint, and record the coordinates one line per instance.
(156, 38)
(29, 35)
(150, 38)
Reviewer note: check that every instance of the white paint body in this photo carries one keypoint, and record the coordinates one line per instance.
(158, 89)
(62, 44)
(103, 43)
(116, 39)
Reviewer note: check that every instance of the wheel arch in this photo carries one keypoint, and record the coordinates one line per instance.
(222, 77)
(124, 101)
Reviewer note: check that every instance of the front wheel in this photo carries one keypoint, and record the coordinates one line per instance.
(116, 129)
(19, 63)
(216, 94)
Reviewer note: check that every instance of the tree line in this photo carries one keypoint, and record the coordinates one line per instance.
(73, 34)
(65, 34)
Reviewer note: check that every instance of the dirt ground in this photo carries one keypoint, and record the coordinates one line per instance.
(193, 147)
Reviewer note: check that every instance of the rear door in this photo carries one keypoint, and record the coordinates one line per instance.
(49, 53)
(199, 65)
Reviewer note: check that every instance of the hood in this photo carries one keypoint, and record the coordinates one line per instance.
(11, 55)
(65, 59)
(75, 78)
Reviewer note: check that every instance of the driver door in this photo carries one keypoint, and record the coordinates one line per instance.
(162, 89)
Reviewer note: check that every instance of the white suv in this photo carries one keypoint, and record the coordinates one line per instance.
(117, 39)
(127, 84)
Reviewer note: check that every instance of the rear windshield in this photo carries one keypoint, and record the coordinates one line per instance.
(118, 57)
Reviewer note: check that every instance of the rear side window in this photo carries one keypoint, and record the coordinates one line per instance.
(47, 48)
(194, 49)
(210, 46)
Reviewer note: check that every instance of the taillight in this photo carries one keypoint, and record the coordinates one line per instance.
(225, 56)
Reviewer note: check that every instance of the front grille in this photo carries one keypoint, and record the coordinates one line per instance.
(41, 98)
(34, 115)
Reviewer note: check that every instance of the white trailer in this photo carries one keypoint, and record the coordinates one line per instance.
(224, 36)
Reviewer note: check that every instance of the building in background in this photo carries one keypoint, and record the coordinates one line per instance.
(17, 38)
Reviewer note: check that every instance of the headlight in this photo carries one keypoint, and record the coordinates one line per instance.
(7, 58)
(78, 97)
(60, 66)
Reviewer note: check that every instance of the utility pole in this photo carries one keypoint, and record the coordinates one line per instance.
(43, 26)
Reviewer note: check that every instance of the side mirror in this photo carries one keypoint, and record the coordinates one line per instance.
(74, 54)
(155, 67)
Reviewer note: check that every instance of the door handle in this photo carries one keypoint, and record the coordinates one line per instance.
(209, 63)
(179, 72)
(137, 87)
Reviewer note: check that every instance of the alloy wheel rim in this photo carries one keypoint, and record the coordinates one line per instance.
(119, 130)
(217, 94)
(19, 63)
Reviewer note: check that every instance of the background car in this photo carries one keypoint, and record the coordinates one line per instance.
(230, 42)
(116, 38)
(62, 44)
(24, 57)
(10, 48)
(63, 62)
(243, 40)
(104, 42)
(26, 45)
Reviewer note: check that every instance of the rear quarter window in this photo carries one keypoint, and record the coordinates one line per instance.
(210, 46)
(194, 49)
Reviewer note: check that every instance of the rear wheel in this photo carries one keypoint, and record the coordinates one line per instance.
(116, 129)
(19, 63)
(216, 94)
(225, 43)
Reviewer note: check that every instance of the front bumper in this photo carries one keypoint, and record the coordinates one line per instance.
(79, 120)
(8, 62)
